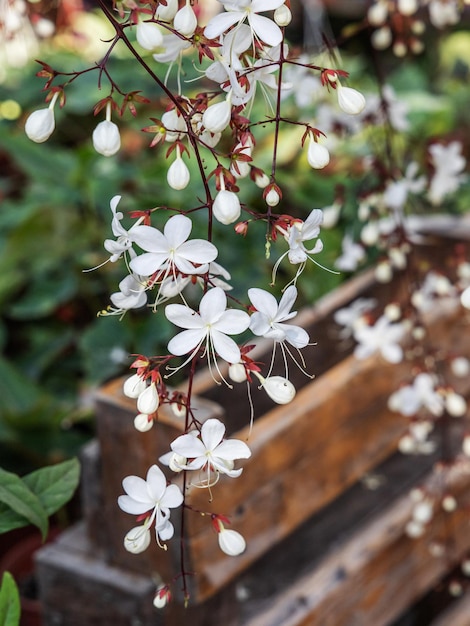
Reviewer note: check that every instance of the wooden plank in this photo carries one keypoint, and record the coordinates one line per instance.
(457, 615)
(378, 572)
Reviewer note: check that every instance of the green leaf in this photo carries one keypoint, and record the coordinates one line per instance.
(54, 485)
(9, 601)
(17, 495)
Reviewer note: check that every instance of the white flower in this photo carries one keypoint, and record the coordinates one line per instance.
(302, 232)
(351, 255)
(124, 238)
(163, 594)
(174, 125)
(350, 316)
(383, 336)
(230, 541)
(151, 496)
(396, 192)
(133, 386)
(209, 327)
(167, 12)
(149, 35)
(449, 164)
(237, 10)
(132, 294)
(283, 16)
(409, 399)
(211, 452)
(444, 13)
(170, 250)
(106, 138)
(267, 321)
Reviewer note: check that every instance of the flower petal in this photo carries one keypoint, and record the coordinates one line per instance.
(183, 316)
(263, 301)
(222, 22)
(188, 446)
(232, 449)
(225, 347)
(172, 497)
(148, 263)
(150, 239)
(266, 29)
(136, 488)
(177, 230)
(129, 505)
(186, 341)
(198, 251)
(232, 322)
(212, 305)
(156, 483)
(212, 433)
(286, 303)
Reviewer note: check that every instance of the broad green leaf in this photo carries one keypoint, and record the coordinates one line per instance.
(9, 601)
(17, 495)
(54, 485)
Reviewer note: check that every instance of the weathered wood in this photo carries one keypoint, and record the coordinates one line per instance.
(379, 571)
(458, 614)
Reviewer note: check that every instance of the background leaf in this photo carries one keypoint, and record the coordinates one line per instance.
(9, 601)
(17, 496)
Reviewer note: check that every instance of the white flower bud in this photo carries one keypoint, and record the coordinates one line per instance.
(178, 410)
(282, 16)
(407, 7)
(162, 597)
(449, 504)
(137, 540)
(414, 530)
(466, 445)
(370, 234)
(455, 404)
(318, 156)
(231, 542)
(106, 138)
(272, 197)
(466, 567)
(465, 298)
(383, 272)
(177, 462)
(178, 175)
(377, 14)
(460, 366)
(392, 311)
(279, 389)
(261, 180)
(422, 512)
(399, 49)
(40, 125)
(237, 372)
(174, 125)
(350, 100)
(226, 207)
(168, 12)
(185, 20)
(148, 400)
(148, 35)
(217, 116)
(407, 444)
(142, 423)
(133, 386)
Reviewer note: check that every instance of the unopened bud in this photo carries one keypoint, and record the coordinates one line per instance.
(137, 540)
(272, 195)
(40, 125)
(148, 35)
(279, 389)
(142, 422)
(318, 156)
(185, 20)
(178, 175)
(237, 372)
(455, 404)
(133, 386)
(226, 207)
(167, 12)
(460, 366)
(350, 100)
(282, 16)
(106, 138)
(162, 597)
(148, 400)
(217, 117)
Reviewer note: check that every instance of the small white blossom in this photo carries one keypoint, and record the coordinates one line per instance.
(351, 255)
(208, 328)
(352, 315)
(152, 496)
(422, 393)
(209, 451)
(383, 337)
(149, 35)
(449, 165)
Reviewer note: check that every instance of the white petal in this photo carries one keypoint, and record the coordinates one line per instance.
(266, 29)
(183, 316)
(212, 433)
(212, 305)
(150, 239)
(186, 341)
(188, 446)
(231, 542)
(232, 449)
(136, 488)
(198, 251)
(177, 230)
(129, 505)
(225, 347)
(258, 6)
(263, 301)
(172, 497)
(296, 336)
(232, 322)
(286, 304)
(148, 263)
(222, 22)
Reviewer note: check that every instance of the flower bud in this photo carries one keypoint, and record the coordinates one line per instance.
(142, 423)
(226, 207)
(162, 597)
(40, 125)
(283, 16)
(422, 512)
(350, 100)
(449, 504)
(166, 13)
(318, 156)
(106, 138)
(455, 404)
(178, 410)
(148, 400)
(176, 462)
(133, 386)
(377, 13)
(260, 179)
(185, 20)
(279, 389)
(460, 366)
(237, 372)
(230, 541)
(407, 7)
(381, 38)
(178, 175)
(148, 35)
(465, 298)
(217, 117)
(414, 529)
(137, 540)
(272, 195)
(383, 272)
